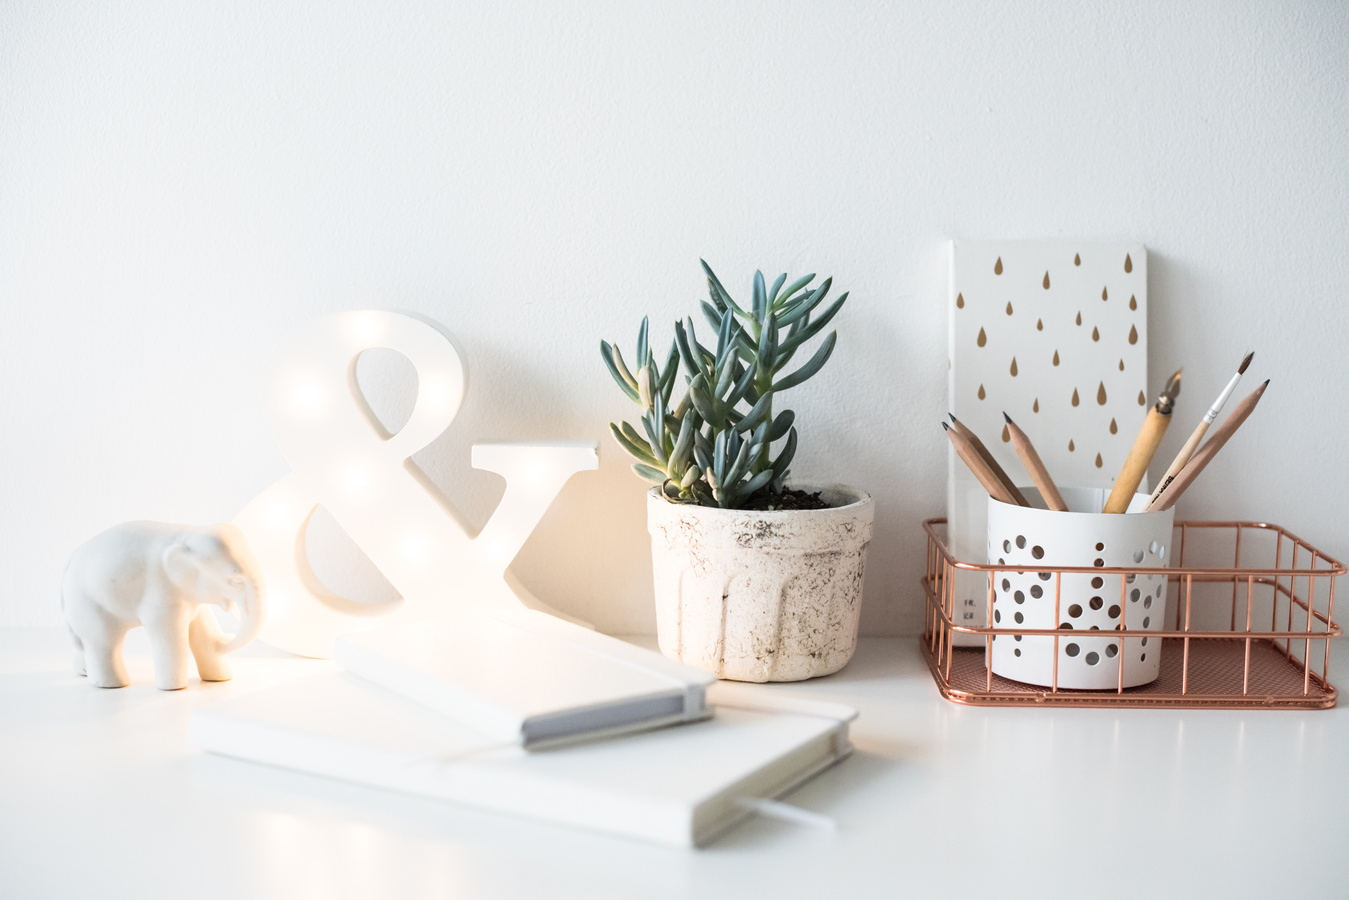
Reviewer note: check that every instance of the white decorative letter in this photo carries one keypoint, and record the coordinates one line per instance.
(341, 457)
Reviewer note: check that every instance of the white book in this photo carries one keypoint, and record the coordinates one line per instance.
(528, 677)
(1054, 333)
(679, 786)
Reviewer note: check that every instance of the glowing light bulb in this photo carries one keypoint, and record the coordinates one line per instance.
(307, 397)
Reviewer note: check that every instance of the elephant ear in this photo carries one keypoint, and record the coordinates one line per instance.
(180, 564)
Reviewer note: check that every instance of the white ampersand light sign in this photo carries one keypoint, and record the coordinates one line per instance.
(342, 458)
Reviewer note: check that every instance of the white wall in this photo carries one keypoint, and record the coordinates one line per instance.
(181, 184)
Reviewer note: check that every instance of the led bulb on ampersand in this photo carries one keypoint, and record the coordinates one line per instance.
(362, 477)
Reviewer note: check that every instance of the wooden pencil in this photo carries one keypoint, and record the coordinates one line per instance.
(1206, 453)
(1144, 448)
(998, 471)
(1038, 473)
(977, 465)
(1193, 443)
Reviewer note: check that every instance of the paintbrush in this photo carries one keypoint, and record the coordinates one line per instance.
(1145, 446)
(1193, 443)
(1206, 453)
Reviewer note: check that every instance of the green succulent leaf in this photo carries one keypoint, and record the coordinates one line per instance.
(619, 371)
(638, 450)
(683, 445)
(813, 328)
(717, 291)
(754, 484)
(643, 351)
(757, 413)
(655, 476)
(789, 296)
(811, 367)
(781, 424)
(760, 297)
(785, 457)
(807, 303)
(768, 341)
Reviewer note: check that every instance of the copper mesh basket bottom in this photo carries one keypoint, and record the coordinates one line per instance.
(1215, 680)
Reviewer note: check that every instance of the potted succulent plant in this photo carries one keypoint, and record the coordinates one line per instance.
(755, 580)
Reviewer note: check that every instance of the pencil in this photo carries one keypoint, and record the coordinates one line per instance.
(998, 471)
(1038, 473)
(1145, 446)
(978, 466)
(1193, 443)
(1208, 451)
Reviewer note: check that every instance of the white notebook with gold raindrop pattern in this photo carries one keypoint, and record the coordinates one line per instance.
(1054, 332)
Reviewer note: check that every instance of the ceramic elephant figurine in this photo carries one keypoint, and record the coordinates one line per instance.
(165, 577)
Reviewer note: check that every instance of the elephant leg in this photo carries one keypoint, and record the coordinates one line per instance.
(206, 640)
(168, 646)
(78, 658)
(103, 658)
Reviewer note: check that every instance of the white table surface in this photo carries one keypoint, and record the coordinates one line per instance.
(102, 796)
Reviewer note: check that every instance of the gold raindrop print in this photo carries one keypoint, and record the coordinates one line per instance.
(1009, 307)
(1100, 394)
(1128, 263)
(1079, 318)
(1036, 407)
(982, 339)
(1071, 448)
(1013, 366)
(1105, 294)
(1006, 435)
(982, 395)
(1046, 281)
(997, 266)
(1077, 259)
(1133, 302)
(1098, 460)
(1133, 334)
(1056, 357)
(960, 301)
(1075, 400)
(1121, 365)
(1095, 333)
(1114, 429)
(1039, 324)
(1142, 401)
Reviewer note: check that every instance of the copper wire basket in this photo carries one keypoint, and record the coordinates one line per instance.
(1248, 625)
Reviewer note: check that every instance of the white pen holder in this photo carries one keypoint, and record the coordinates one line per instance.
(1089, 606)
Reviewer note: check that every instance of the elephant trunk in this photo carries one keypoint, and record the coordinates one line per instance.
(251, 616)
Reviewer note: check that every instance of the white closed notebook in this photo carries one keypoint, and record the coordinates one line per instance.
(527, 677)
(679, 786)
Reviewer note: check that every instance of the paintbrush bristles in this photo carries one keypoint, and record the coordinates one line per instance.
(1241, 369)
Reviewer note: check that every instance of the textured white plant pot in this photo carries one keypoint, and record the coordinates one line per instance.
(760, 596)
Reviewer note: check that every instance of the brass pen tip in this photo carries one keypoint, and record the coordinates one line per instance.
(1241, 369)
(1172, 390)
